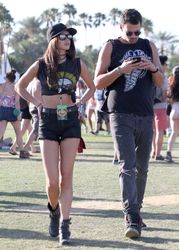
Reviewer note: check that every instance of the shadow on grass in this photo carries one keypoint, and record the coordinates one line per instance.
(110, 244)
(100, 213)
(96, 155)
(15, 158)
(159, 216)
(75, 198)
(32, 194)
(22, 234)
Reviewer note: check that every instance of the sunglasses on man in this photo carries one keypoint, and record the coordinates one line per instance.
(63, 37)
(130, 33)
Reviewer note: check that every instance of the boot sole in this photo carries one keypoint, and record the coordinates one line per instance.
(132, 233)
(64, 242)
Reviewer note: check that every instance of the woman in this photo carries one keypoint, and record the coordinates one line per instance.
(174, 114)
(9, 109)
(59, 126)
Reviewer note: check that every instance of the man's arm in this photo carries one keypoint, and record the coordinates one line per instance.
(157, 75)
(103, 78)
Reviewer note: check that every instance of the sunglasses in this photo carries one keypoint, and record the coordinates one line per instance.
(63, 37)
(130, 33)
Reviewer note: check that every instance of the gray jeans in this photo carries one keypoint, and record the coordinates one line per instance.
(132, 136)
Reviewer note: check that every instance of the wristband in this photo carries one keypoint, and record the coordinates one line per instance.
(118, 69)
(154, 71)
(81, 102)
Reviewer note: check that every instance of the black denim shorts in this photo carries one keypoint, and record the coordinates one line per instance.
(7, 114)
(51, 128)
(25, 114)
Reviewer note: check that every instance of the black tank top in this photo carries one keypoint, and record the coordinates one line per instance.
(130, 93)
(68, 74)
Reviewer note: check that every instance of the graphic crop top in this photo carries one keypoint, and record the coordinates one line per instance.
(7, 101)
(68, 74)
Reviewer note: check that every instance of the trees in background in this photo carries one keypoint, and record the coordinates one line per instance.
(29, 42)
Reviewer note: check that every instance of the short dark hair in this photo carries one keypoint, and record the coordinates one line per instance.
(131, 16)
(163, 59)
(11, 75)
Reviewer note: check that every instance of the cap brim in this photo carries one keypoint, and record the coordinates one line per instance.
(72, 32)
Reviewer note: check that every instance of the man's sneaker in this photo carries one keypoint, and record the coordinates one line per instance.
(64, 232)
(168, 157)
(133, 224)
(54, 220)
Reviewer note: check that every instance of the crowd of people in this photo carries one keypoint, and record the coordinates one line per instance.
(130, 94)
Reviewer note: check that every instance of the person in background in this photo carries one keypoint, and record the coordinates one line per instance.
(90, 112)
(101, 115)
(34, 88)
(81, 88)
(25, 124)
(59, 126)
(128, 67)
(160, 113)
(10, 110)
(174, 114)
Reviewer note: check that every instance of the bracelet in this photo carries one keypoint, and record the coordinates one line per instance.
(81, 102)
(154, 71)
(118, 69)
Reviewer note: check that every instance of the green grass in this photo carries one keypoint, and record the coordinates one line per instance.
(97, 219)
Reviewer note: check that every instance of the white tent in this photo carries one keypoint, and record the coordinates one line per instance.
(6, 67)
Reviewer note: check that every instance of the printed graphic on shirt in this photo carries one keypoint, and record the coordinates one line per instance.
(131, 78)
(66, 81)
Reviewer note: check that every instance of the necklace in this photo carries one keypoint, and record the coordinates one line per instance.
(62, 57)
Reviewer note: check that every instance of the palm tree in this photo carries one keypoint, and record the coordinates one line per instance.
(114, 15)
(166, 42)
(28, 43)
(147, 26)
(51, 16)
(6, 22)
(70, 11)
(99, 20)
(86, 21)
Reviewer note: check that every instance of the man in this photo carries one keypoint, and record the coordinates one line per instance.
(129, 67)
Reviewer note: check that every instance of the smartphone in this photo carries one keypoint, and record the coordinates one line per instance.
(136, 59)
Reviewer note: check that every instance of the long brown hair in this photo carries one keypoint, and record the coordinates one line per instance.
(51, 58)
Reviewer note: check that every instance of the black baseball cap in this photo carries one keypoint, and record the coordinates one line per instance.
(58, 28)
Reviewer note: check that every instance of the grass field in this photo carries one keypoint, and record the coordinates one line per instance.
(97, 219)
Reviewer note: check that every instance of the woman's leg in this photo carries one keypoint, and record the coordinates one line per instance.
(68, 150)
(25, 124)
(89, 116)
(174, 132)
(17, 129)
(50, 159)
(3, 125)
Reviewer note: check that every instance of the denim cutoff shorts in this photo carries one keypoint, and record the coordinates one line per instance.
(7, 114)
(50, 128)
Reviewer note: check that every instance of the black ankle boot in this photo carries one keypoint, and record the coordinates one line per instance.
(54, 220)
(64, 232)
